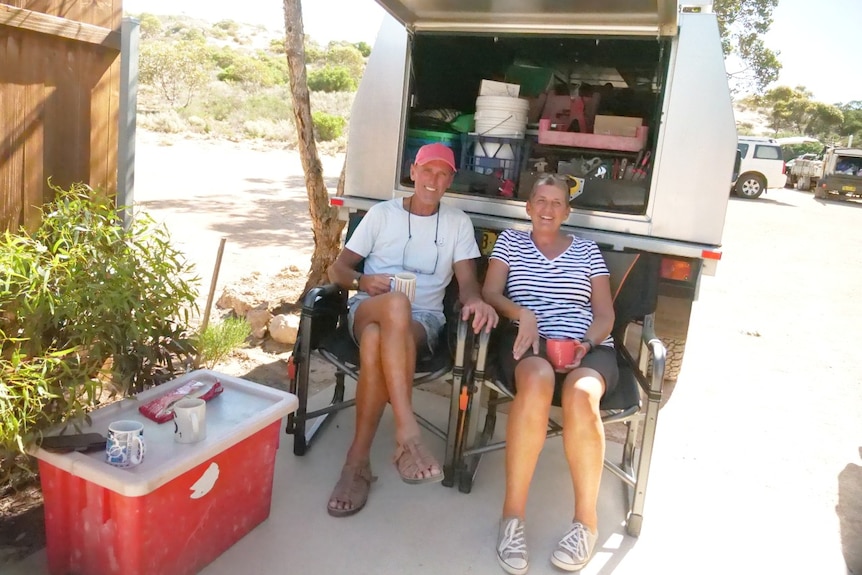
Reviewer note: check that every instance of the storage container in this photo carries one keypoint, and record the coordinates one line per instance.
(496, 156)
(179, 509)
(418, 138)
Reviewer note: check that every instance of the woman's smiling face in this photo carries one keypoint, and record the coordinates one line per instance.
(548, 207)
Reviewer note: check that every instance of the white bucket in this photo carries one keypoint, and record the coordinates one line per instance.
(501, 116)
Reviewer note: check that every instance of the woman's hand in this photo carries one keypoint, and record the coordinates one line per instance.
(528, 334)
(375, 284)
(580, 352)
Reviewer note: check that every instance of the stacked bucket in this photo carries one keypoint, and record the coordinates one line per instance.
(501, 122)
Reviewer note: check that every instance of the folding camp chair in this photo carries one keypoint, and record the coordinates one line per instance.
(634, 287)
(323, 330)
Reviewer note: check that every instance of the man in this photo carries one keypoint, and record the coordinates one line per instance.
(434, 241)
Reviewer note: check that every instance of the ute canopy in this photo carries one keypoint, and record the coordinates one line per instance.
(594, 17)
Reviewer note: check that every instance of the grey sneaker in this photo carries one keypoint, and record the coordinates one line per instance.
(576, 547)
(512, 546)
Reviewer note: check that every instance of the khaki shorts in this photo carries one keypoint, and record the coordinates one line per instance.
(431, 322)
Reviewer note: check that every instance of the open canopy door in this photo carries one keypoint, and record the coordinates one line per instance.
(605, 17)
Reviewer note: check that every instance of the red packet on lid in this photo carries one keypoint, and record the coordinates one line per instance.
(160, 409)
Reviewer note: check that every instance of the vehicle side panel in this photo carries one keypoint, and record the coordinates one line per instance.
(697, 144)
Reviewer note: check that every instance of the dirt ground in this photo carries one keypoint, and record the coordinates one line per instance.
(772, 355)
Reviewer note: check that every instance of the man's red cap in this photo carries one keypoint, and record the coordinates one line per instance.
(437, 151)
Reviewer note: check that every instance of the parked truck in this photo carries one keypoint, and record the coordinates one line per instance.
(634, 92)
(837, 173)
(805, 171)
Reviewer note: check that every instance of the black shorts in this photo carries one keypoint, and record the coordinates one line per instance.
(602, 359)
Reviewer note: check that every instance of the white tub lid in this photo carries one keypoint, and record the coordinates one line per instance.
(240, 411)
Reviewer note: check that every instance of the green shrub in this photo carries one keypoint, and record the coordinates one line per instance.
(176, 69)
(218, 340)
(331, 79)
(346, 56)
(83, 295)
(327, 127)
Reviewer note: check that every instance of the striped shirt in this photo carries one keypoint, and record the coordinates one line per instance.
(557, 291)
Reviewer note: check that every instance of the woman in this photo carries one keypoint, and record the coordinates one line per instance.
(552, 285)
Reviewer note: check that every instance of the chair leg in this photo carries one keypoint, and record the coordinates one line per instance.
(470, 463)
(298, 385)
(635, 518)
(462, 375)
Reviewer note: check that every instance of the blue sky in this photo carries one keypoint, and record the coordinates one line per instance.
(818, 39)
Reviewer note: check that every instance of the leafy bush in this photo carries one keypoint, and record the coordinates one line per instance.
(218, 340)
(177, 69)
(327, 127)
(331, 79)
(346, 56)
(86, 300)
(363, 48)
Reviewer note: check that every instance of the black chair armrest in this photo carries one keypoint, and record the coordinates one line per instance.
(323, 297)
(323, 308)
(656, 352)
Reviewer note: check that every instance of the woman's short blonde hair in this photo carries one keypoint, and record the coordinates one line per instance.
(555, 180)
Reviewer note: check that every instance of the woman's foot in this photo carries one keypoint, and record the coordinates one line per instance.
(576, 547)
(351, 491)
(512, 546)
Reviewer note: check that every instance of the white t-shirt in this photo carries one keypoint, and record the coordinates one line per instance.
(382, 235)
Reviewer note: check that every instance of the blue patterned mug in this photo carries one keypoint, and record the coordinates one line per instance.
(125, 446)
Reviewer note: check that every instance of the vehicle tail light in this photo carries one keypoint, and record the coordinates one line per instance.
(783, 167)
(336, 201)
(674, 269)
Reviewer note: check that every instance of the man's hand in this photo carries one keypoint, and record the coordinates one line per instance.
(375, 284)
(483, 315)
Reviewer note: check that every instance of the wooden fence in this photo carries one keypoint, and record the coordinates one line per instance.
(59, 100)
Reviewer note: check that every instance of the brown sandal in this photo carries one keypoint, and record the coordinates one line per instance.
(352, 488)
(411, 458)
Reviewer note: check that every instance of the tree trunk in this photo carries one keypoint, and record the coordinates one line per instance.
(325, 224)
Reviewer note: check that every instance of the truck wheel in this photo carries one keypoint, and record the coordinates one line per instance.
(673, 362)
(671, 326)
(820, 193)
(803, 184)
(750, 186)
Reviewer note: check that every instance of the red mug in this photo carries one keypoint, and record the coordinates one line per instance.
(561, 352)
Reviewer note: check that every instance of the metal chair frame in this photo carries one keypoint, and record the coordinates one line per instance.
(634, 286)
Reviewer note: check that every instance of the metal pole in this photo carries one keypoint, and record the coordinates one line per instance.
(130, 45)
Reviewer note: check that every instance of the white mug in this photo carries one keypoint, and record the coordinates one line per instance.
(404, 282)
(190, 420)
(125, 446)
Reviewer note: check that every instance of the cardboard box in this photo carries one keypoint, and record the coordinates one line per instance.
(492, 88)
(617, 126)
(179, 509)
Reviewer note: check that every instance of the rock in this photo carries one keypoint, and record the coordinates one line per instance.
(230, 299)
(258, 319)
(283, 328)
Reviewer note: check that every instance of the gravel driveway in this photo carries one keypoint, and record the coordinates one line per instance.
(764, 426)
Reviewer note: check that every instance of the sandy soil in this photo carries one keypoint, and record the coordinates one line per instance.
(253, 196)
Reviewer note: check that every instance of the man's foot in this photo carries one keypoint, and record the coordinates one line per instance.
(415, 463)
(576, 547)
(351, 491)
(512, 546)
